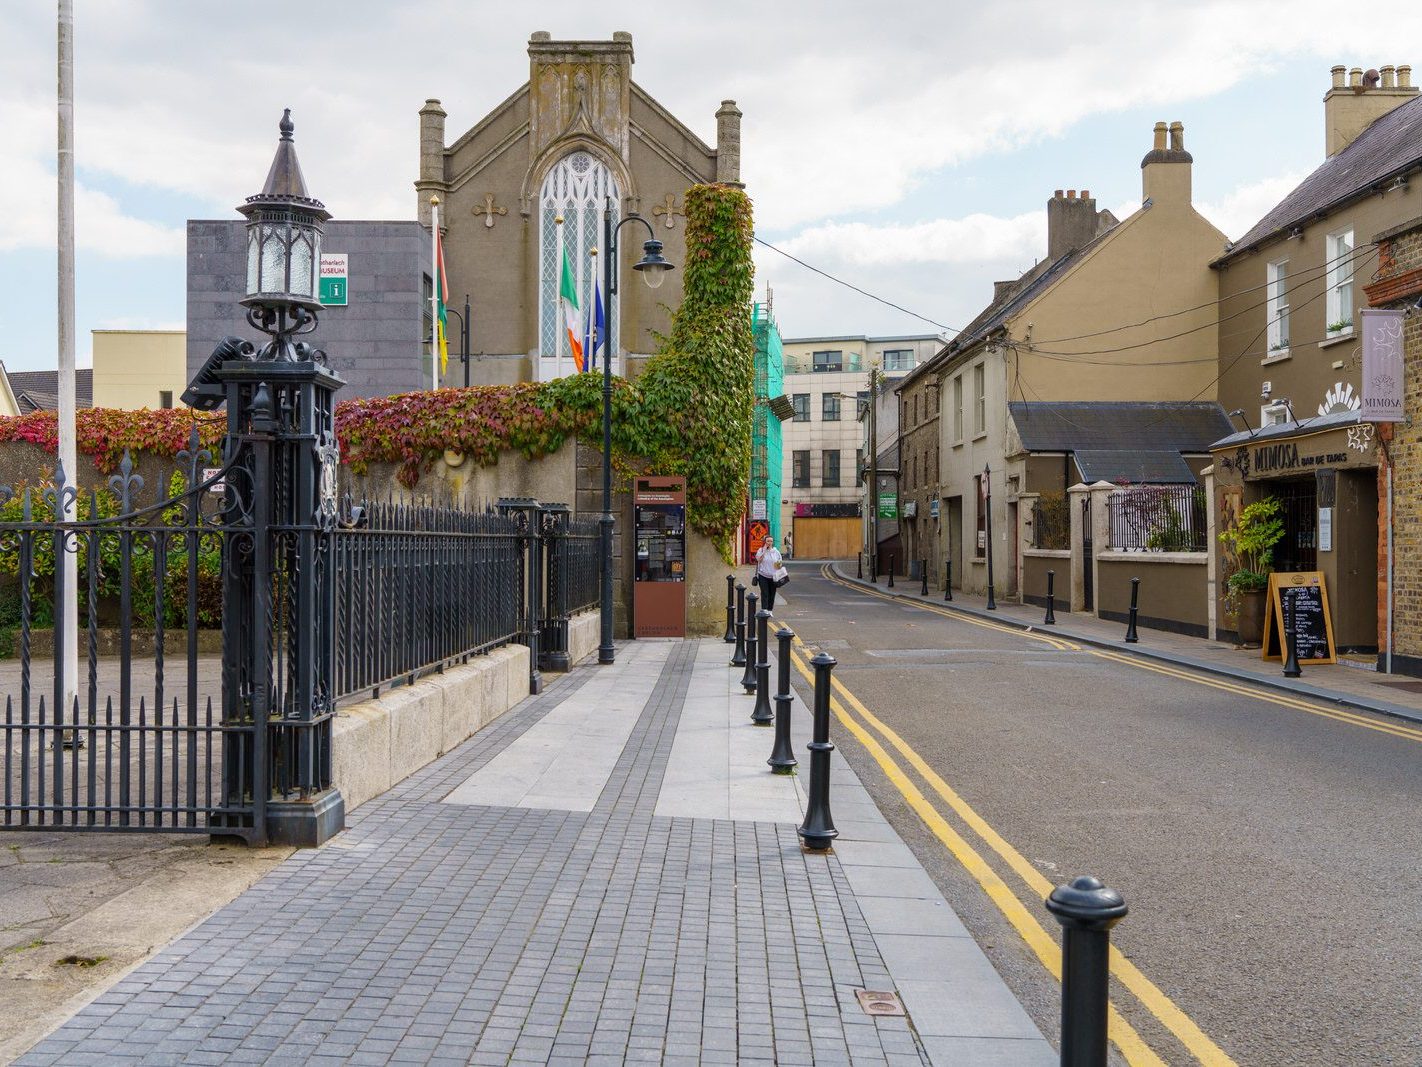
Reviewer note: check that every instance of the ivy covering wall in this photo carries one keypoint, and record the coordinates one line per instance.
(689, 413)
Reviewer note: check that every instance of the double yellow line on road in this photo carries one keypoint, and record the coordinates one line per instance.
(849, 710)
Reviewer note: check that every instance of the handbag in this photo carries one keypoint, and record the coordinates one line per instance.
(781, 578)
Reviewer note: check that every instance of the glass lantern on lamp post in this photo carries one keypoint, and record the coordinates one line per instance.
(284, 228)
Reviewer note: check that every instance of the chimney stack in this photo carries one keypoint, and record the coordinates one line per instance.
(1350, 108)
(432, 178)
(1165, 172)
(728, 143)
(1071, 222)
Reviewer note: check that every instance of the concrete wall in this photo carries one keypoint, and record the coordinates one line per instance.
(1035, 565)
(379, 743)
(132, 368)
(375, 342)
(1173, 594)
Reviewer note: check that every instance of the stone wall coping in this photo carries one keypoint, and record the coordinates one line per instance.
(1113, 555)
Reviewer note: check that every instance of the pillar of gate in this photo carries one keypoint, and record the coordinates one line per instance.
(554, 643)
(528, 514)
(278, 643)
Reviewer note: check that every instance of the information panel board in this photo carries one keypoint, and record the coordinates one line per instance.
(659, 557)
(1313, 621)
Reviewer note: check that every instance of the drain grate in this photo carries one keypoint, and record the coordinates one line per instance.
(879, 1002)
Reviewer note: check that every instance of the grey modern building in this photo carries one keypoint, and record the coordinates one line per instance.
(378, 341)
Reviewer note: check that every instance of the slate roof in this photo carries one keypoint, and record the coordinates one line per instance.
(38, 390)
(1392, 145)
(1288, 429)
(1133, 441)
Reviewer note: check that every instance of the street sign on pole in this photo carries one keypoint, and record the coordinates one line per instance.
(888, 505)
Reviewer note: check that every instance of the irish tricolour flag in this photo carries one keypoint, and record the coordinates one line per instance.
(568, 297)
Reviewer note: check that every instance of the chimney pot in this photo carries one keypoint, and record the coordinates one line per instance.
(1371, 78)
(1071, 194)
(1177, 137)
(1160, 136)
(1086, 194)
(1355, 79)
(1338, 73)
(1389, 77)
(1058, 194)
(1404, 77)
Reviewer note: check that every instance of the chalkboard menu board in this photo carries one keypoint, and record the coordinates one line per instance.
(1307, 594)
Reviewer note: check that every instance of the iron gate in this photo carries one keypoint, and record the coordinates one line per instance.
(133, 741)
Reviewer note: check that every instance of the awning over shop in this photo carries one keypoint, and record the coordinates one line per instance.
(1123, 441)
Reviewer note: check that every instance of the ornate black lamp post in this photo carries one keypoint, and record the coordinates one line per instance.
(653, 269)
(281, 455)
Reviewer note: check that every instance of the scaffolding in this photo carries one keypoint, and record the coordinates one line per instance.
(767, 458)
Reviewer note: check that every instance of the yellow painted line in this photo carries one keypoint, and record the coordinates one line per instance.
(1136, 1051)
(1147, 992)
(1059, 643)
(1323, 711)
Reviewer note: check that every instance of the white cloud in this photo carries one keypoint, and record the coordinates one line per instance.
(1240, 209)
(977, 238)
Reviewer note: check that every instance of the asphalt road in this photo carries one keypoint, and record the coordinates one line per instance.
(1270, 856)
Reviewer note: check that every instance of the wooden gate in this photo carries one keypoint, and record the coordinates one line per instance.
(836, 538)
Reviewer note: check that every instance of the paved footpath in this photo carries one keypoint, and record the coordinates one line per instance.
(607, 874)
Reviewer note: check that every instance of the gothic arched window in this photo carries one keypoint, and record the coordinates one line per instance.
(577, 188)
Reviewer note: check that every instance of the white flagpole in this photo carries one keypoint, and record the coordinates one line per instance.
(558, 302)
(68, 451)
(434, 292)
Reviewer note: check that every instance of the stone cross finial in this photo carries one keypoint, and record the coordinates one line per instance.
(489, 210)
(669, 211)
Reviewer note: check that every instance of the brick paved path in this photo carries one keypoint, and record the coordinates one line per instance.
(435, 932)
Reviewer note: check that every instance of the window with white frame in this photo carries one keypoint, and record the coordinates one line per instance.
(1340, 283)
(898, 359)
(1278, 285)
(958, 408)
(980, 399)
(1273, 415)
(576, 189)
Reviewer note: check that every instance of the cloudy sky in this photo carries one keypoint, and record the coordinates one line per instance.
(909, 149)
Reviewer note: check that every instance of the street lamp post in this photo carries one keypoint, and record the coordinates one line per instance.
(987, 507)
(873, 474)
(653, 269)
(463, 336)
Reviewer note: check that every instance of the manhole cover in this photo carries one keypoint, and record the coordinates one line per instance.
(879, 1002)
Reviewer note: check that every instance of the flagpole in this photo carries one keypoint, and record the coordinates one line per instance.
(434, 292)
(558, 351)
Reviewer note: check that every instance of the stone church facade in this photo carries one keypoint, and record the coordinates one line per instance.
(578, 135)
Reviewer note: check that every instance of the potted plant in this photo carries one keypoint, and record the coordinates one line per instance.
(1252, 538)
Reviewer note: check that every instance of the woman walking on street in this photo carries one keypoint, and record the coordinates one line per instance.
(768, 570)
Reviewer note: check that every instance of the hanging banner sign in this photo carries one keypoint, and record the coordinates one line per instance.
(1382, 365)
(888, 505)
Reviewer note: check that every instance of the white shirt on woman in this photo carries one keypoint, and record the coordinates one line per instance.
(767, 561)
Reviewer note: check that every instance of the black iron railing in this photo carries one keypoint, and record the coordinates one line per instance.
(130, 740)
(420, 587)
(1157, 518)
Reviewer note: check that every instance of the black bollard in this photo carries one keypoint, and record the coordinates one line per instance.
(738, 658)
(891, 570)
(1291, 664)
(730, 637)
(1087, 910)
(817, 832)
(762, 715)
(948, 578)
(1131, 637)
(923, 572)
(1051, 619)
(782, 754)
(859, 566)
(748, 677)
